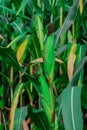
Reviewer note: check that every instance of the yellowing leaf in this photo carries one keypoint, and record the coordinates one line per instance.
(22, 48)
(81, 6)
(14, 105)
(71, 60)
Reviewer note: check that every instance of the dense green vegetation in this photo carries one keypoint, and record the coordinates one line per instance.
(43, 80)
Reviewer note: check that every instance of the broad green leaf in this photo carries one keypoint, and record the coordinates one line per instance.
(20, 116)
(49, 59)
(21, 52)
(9, 57)
(46, 97)
(22, 6)
(71, 108)
(14, 103)
(68, 21)
(38, 23)
(75, 77)
(39, 118)
(45, 89)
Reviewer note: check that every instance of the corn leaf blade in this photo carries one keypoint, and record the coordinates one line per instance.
(68, 21)
(17, 91)
(20, 115)
(21, 52)
(71, 105)
(49, 59)
(71, 59)
(46, 98)
(22, 6)
(9, 56)
(40, 118)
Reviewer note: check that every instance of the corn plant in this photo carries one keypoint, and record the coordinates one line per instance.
(43, 65)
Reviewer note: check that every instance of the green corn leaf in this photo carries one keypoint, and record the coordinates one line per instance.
(10, 11)
(39, 118)
(68, 21)
(20, 115)
(9, 56)
(45, 89)
(49, 58)
(61, 50)
(34, 82)
(22, 6)
(71, 108)
(46, 97)
(80, 53)
(38, 23)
